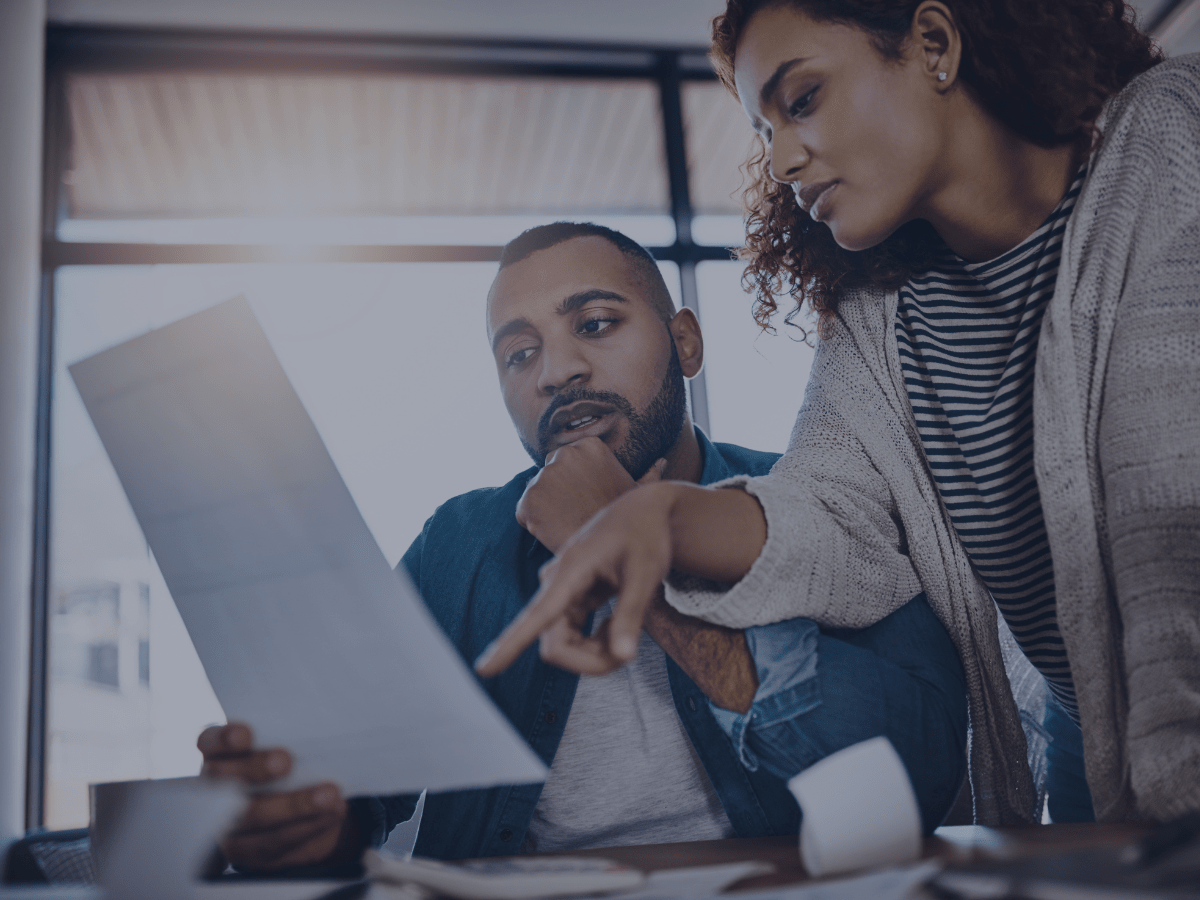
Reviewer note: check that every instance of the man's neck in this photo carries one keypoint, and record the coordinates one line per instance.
(685, 460)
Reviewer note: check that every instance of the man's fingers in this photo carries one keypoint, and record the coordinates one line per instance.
(287, 829)
(654, 473)
(300, 843)
(217, 740)
(562, 645)
(589, 447)
(257, 767)
(268, 812)
(522, 511)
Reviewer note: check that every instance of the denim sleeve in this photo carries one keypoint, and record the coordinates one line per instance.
(785, 655)
(411, 560)
(377, 816)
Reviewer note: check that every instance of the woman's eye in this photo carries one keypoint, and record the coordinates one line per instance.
(595, 326)
(519, 356)
(800, 106)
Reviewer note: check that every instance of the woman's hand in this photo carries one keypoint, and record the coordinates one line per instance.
(624, 550)
(627, 550)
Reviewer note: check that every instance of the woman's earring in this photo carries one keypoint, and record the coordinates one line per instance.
(941, 76)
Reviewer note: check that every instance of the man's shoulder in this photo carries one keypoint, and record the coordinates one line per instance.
(744, 461)
(484, 505)
(466, 531)
(469, 563)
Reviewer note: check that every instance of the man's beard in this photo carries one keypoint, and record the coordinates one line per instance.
(651, 433)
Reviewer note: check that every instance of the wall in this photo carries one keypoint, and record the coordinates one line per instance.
(21, 52)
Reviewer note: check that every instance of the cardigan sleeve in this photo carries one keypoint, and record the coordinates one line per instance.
(1149, 452)
(835, 550)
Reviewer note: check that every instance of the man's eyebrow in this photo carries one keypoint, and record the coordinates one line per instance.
(510, 327)
(576, 302)
(773, 82)
(570, 304)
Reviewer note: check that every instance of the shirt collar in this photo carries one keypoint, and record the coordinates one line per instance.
(715, 467)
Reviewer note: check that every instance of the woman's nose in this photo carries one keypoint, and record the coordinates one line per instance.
(788, 157)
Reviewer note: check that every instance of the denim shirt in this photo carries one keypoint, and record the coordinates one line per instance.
(476, 568)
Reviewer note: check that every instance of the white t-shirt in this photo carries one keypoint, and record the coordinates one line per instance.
(625, 771)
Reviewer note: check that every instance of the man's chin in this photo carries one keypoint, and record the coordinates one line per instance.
(607, 439)
(637, 468)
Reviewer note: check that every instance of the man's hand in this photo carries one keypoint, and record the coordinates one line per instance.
(278, 830)
(578, 481)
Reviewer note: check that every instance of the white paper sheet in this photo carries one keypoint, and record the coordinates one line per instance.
(303, 628)
(859, 810)
(695, 881)
(269, 890)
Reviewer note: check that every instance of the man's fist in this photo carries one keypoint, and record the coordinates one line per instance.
(578, 481)
(278, 830)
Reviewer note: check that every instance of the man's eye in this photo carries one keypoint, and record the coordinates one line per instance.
(801, 105)
(519, 356)
(595, 326)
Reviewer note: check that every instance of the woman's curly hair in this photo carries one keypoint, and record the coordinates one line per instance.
(1044, 68)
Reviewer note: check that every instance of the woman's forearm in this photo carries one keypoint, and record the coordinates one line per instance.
(715, 533)
(629, 548)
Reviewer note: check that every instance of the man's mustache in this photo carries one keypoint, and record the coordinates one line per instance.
(545, 430)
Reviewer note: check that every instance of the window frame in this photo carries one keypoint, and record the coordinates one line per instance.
(75, 49)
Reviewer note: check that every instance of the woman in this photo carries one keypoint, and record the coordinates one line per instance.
(994, 208)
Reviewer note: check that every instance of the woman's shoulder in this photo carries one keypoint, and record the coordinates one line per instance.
(1165, 98)
(1150, 143)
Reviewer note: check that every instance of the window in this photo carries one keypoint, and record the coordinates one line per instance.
(756, 379)
(358, 196)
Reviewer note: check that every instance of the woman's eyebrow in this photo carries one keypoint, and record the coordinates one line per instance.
(577, 301)
(772, 83)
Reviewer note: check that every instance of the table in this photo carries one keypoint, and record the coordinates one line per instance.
(956, 843)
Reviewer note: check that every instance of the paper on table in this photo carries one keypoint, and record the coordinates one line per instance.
(303, 628)
(695, 881)
(269, 889)
(859, 810)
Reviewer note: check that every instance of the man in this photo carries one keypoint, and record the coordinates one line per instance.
(592, 357)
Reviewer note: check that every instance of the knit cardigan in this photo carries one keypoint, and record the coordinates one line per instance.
(856, 527)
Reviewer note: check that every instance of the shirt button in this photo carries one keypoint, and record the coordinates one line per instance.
(506, 835)
(692, 703)
(550, 718)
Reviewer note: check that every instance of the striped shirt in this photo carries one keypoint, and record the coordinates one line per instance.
(968, 337)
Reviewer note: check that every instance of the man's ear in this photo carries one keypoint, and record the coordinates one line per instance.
(689, 342)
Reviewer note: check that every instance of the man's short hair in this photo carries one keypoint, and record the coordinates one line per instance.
(543, 237)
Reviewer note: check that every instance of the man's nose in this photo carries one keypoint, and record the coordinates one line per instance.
(562, 368)
(788, 156)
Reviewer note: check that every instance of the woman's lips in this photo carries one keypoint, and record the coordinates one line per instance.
(814, 197)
